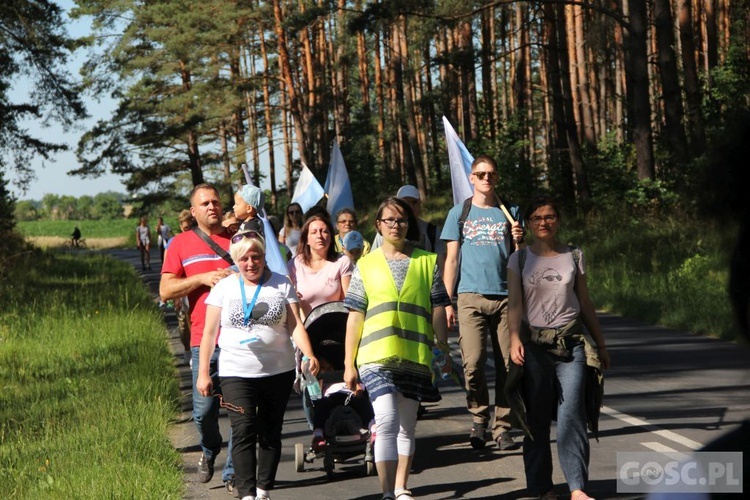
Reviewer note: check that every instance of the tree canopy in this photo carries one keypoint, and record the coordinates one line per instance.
(593, 100)
(34, 48)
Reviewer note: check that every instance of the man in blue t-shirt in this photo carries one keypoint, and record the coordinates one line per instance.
(480, 235)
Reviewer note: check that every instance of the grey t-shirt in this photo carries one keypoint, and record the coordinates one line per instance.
(548, 294)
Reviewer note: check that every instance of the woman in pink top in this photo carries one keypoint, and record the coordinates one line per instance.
(318, 272)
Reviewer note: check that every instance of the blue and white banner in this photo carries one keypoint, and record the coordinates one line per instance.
(460, 163)
(337, 185)
(308, 190)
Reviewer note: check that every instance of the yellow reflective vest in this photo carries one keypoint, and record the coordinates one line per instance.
(397, 324)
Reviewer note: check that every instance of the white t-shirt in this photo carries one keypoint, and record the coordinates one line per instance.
(549, 297)
(291, 240)
(263, 347)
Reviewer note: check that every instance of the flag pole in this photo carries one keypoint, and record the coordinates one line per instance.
(504, 209)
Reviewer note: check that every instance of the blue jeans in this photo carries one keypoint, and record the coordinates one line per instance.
(206, 415)
(551, 386)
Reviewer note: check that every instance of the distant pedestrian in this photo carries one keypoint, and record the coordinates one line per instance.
(346, 220)
(76, 237)
(143, 240)
(289, 234)
(163, 234)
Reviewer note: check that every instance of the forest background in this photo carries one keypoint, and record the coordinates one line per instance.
(619, 108)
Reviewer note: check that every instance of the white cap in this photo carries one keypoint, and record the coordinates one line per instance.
(408, 191)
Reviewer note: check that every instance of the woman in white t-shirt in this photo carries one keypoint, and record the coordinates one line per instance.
(258, 313)
(143, 241)
(319, 273)
(549, 303)
(289, 234)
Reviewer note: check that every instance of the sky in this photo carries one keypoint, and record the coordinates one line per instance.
(52, 178)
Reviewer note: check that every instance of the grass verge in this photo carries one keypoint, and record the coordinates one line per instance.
(88, 384)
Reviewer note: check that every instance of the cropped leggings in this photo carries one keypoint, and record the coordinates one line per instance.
(395, 423)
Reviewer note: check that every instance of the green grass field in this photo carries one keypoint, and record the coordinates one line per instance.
(89, 388)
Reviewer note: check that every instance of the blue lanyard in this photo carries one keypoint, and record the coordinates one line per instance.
(247, 309)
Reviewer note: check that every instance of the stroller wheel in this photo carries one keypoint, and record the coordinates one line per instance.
(299, 457)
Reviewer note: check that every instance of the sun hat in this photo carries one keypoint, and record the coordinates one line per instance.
(253, 196)
(353, 240)
(408, 191)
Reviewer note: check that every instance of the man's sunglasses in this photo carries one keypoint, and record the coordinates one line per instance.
(247, 234)
(481, 175)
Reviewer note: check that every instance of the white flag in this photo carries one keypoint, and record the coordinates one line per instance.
(337, 185)
(460, 162)
(308, 191)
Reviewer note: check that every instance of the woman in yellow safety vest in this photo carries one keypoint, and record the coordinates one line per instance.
(396, 301)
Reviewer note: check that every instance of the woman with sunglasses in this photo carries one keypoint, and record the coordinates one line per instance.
(258, 312)
(390, 352)
(556, 337)
(346, 222)
(290, 233)
(319, 273)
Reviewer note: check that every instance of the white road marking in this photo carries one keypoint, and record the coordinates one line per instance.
(662, 448)
(637, 422)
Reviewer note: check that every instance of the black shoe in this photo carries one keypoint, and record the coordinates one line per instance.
(205, 469)
(231, 489)
(477, 438)
(505, 441)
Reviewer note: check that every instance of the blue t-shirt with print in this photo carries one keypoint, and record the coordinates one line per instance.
(485, 250)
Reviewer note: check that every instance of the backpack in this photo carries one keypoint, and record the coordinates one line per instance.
(432, 235)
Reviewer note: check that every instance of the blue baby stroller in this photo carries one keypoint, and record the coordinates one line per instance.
(340, 419)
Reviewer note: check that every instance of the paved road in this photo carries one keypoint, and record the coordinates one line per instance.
(667, 390)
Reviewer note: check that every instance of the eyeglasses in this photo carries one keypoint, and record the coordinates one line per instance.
(247, 234)
(347, 221)
(294, 212)
(394, 222)
(481, 175)
(537, 219)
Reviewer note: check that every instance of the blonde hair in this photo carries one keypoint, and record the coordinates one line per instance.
(244, 245)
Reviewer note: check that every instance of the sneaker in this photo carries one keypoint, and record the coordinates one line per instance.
(231, 489)
(262, 497)
(505, 441)
(477, 438)
(205, 469)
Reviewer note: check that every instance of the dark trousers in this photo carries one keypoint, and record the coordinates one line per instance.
(264, 402)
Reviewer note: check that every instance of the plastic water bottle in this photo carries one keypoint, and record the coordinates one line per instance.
(309, 381)
(439, 361)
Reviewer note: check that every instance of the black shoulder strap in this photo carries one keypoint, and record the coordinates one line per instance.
(211, 243)
(462, 219)
(432, 234)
